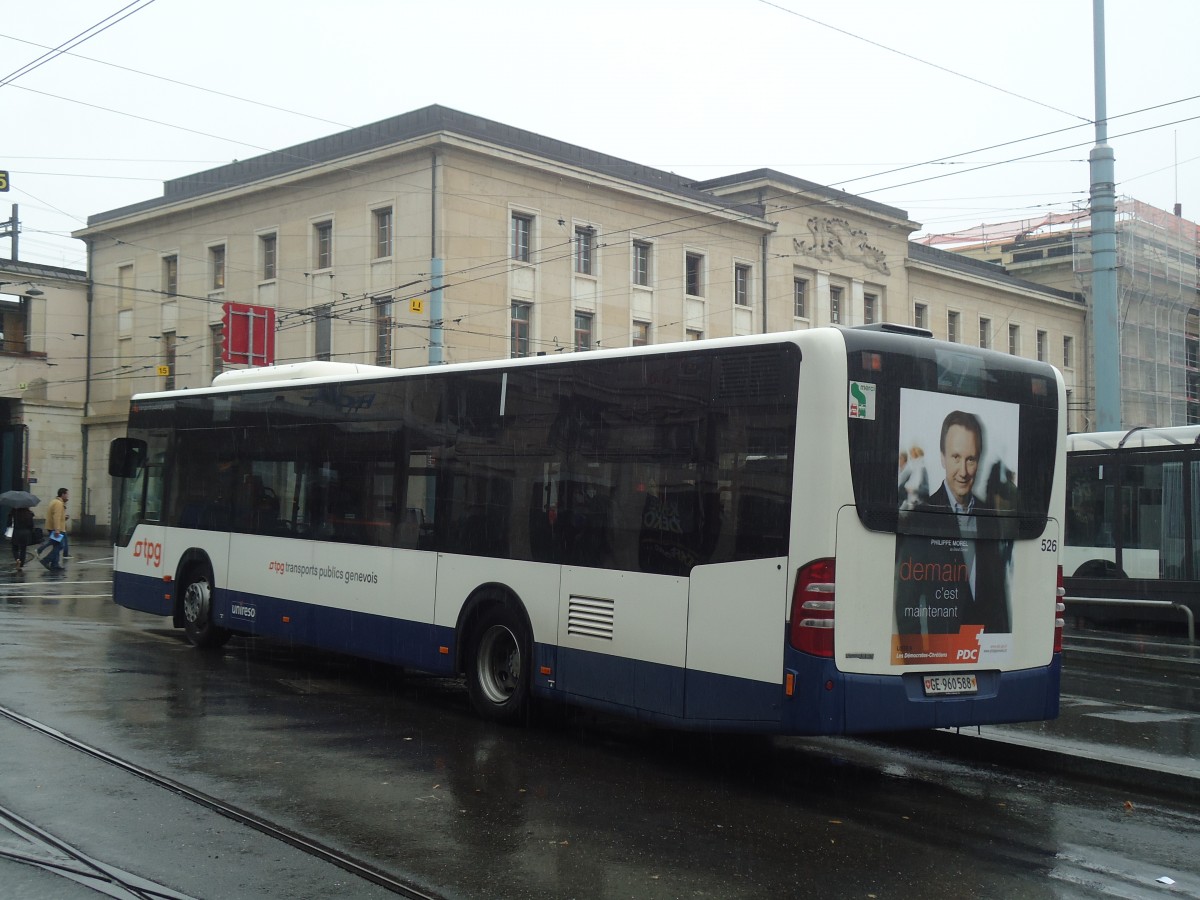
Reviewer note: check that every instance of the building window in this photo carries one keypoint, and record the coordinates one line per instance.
(1068, 352)
(168, 359)
(583, 331)
(383, 232)
(920, 315)
(14, 326)
(641, 263)
(216, 265)
(953, 324)
(171, 275)
(323, 245)
(522, 227)
(985, 333)
(323, 336)
(741, 285)
(641, 334)
(1014, 340)
(694, 334)
(267, 245)
(124, 287)
(800, 298)
(585, 245)
(521, 313)
(383, 331)
(1041, 346)
(217, 348)
(835, 304)
(870, 309)
(694, 275)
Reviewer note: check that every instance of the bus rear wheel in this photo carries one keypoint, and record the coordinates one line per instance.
(197, 612)
(498, 666)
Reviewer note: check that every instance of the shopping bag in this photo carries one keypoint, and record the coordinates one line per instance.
(8, 533)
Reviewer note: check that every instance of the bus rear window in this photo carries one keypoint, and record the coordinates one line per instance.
(951, 431)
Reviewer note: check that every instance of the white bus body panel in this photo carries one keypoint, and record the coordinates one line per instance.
(364, 579)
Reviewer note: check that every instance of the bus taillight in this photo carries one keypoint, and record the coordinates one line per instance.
(1060, 610)
(812, 609)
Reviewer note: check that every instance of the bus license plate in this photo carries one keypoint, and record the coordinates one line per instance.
(950, 684)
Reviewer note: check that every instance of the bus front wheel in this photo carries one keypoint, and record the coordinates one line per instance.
(197, 612)
(498, 666)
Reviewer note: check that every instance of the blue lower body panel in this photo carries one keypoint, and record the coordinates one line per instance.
(825, 701)
(143, 592)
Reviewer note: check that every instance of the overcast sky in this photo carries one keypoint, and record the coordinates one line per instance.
(837, 93)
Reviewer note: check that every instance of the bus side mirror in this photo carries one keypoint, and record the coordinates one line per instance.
(126, 457)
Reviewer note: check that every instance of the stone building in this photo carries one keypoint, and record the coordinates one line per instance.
(43, 380)
(436, 236)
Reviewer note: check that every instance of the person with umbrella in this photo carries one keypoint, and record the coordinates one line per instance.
(22, 503)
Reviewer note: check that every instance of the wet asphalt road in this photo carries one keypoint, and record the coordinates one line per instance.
(395, 770)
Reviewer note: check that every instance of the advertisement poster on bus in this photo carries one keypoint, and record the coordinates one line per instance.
(957, 462)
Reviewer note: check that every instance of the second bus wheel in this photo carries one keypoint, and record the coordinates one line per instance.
(498, 665)
(197, 611)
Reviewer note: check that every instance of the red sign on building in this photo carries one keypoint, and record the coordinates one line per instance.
(249, 334)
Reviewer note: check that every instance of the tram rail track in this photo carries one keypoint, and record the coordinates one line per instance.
(124, 885)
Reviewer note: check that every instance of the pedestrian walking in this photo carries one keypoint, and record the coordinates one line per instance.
(50, 551)
(22, 535)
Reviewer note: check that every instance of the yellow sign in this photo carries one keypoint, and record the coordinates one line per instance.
(416, 306)
(3, 180)
(164, 370)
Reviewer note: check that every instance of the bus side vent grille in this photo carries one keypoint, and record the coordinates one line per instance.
(590, 617)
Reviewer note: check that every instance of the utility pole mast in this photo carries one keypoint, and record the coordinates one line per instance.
(1106, 342)
(10, 229)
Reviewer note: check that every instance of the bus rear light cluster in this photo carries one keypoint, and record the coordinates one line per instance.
(1060, 610)
(812, 609)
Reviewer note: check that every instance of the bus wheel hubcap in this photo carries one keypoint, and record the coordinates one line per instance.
(195, 602)
(499, 664)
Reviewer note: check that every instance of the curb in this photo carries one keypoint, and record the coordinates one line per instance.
(996, 750)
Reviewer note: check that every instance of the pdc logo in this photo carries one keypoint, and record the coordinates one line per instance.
(149, 551)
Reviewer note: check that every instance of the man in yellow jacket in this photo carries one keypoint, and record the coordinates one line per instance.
(56, 526)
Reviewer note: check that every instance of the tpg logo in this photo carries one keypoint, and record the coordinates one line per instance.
(149, 551)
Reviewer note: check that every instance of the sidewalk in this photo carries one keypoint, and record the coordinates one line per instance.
(1144, 735)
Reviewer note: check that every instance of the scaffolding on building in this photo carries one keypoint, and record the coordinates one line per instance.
(1157, 311)
(1158, 305)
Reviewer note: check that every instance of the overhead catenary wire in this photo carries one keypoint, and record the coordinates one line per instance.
(87, 34)
(502, 261)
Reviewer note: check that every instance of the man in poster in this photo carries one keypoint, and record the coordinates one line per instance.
(947, 582)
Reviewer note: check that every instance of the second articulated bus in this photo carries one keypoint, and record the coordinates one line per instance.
(1133, 523)
(830, 531)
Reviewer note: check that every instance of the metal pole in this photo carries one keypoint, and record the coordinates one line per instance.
(436, 268)
(1106, 343)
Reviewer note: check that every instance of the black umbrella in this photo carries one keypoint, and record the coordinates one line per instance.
(18, 499)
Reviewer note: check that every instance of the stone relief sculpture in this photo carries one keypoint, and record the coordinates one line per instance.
(833, 237)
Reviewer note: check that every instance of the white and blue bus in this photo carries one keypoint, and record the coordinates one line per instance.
(749, 534)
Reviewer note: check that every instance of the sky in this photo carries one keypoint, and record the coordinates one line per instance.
(958, 113)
